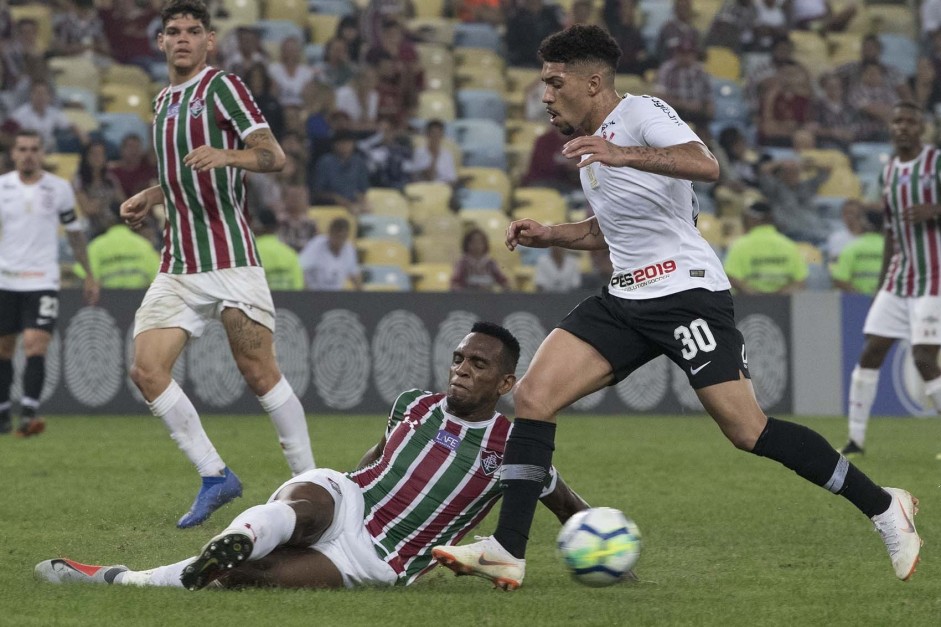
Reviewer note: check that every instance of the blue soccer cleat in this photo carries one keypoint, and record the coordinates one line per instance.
(214, 493)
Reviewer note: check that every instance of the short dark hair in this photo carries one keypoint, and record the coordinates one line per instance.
(29, 132)
(511, 346)
(875, 219)
(465, 242)
(196, 8)
(581, 44)
(909, 104)
(338, 225)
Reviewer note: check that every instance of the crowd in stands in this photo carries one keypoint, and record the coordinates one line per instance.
(414, 130)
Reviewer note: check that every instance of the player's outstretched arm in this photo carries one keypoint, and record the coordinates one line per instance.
(372, 454)
(691, 161)
(584, 235)
(563, 501)
(262, 153)
(80, 252)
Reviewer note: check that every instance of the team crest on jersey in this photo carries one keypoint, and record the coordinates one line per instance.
(197, 105)
(173, 110)
(490, 461)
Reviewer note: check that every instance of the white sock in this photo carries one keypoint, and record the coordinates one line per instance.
(863, 383)
(270, 526)
(933, 390)
(177, 412)
(290, 422)
(163, 576)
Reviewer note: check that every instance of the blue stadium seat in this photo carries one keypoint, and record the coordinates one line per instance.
(386, 278)
(279, 30)
(479, 199)
(831, 207)
(331, 7)
(313, 53)
(477, 35)
(870, 157)
(481, 103)
(78, 97)
(818, 277)
(493, 156)
(385, 227)
(470, 132)
(114, 126)
(899, 52)
(731, 106)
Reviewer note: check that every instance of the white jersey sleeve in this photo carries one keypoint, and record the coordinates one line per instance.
(67, 203)
(648, 220)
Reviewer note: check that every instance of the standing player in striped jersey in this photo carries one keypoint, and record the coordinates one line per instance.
(668, 296)
(432, 478)
(908, 307)
(33, 203)
(207, 131)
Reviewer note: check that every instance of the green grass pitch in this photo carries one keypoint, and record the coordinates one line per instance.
(730, 539)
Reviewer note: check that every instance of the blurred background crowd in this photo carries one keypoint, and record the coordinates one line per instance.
(415, 132)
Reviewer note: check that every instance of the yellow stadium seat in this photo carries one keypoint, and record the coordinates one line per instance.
(524, 132)
(75, 71)
(811, 51)
(242, 12)
(323, 215)
(830, 157)
(542, 204)
(427, 199)
(844, 47)
(631, 84)
(703, 13)
(387, 202)
(437, 248)
(62, 164)
(476, 77)
(478, 57)
(710, 228)
(486, 178)
(290, 10)
(439, 78)
(724, 63)
(431, 277)
(130, 75)
(445, 225)
(525, 279)
(434, 55)
(117, 98)
(84, 121)
(491, 221)
(841, 182)
(887, 18)
(42, 14)
(428, 8)
(435, 105)
(439, 30)
(384, 252)
(322, 26)
(732, 229)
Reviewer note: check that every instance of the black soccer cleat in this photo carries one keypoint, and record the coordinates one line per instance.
(221, 554)
(851, 449)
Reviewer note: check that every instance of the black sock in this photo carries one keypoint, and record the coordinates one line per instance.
(6, 382)
(525, 468)
(33, 378)
(805, 452)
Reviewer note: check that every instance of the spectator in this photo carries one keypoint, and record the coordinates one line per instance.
(734, 27)
(341, 177)
(433, 161)
(684, 84)
(874, 98)
(771, 17)
(263, 191)
(77, 28)
(476, 270)
(97, 189)
(125, 24)
(851, 73)
(859, 265)
(259, 82)
(836, 120)
(348, 32)
(548, 167)
(329, 261)
(294, 145)
(530, 23)
(678, 32)
(134, 169)
(39, 114)
(741, 159)
(379, 11)
(401, 57)
(621, 20)
(280, 261)
(389, 155)
(360, 99)
(395, 100)
(763, 261)
(819, 16)
(291, 73)
(486, 11)
(583, 12)
(786, 107)
(792, 199)
(926, 89)
(23, 55)
(336, 69)
(930, 14)
(851, 214)
(296, 228)
(248, 52)
(760, 76)
(557, 271)
(120, 259)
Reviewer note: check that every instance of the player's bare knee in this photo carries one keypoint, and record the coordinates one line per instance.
(531, 403)
(259, 375)
(926, 361)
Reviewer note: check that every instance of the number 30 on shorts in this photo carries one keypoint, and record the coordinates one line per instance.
(696, 337)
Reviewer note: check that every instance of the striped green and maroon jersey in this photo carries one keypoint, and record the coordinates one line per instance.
(207, 222)
(915, 266)
(436, 479)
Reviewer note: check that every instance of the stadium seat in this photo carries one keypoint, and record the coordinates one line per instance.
(888, 18)
(472, 132)
(380, 278)
(523, 133)
(491, 221)
(447, 226)
(385, 252)
(84, 121)
(711, 230)
(542, 204)
(483, 58)
(42, 14)
(631, 84)
(436, 249)
(473, 77)
(332, 7)
(435, 105)
(723, 63)
(62, 164)
(439, 78)
(811, 51)
(477, 35)
(481, 104)
(439, 30)
(484, 157)
(276, 31)
(899, 52)
(130, 75)
(385, 227)
(493, 179)
(431, 277)
(731, 105)
(242, 12)
(75, 71)
(323, 215)
(117, 98)
(428, 8)
(434, 55)
(810, 253)
(703, 13)
(841, 182)
(427, 199)
(71, 97)
(835, 159)
(479, 199)
(870, 157)
(844, 47)
(113, 127)
(322, 27)
(732, 229)
(384, 201)
(288, 10)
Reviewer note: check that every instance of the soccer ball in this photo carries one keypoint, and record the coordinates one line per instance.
(599, 546)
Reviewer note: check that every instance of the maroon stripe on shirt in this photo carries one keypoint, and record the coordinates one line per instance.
(185, 231)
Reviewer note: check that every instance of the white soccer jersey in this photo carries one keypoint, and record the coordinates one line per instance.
(647, 219)
(29, 237)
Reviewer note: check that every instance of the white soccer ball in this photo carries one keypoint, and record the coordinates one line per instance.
(599, 546)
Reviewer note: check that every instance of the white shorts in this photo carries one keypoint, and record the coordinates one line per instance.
(346, 542)
(190, 301)
(917, 319)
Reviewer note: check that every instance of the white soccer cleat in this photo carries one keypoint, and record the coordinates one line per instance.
(897, 528)
(61, 570)
(486, 558)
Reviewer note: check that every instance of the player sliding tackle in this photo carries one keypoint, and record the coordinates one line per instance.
(327, 529)
(668, 296)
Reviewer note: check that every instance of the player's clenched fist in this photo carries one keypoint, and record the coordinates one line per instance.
(529, 233)
(134, 210)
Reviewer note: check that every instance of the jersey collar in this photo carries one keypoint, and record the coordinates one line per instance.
(192, 81)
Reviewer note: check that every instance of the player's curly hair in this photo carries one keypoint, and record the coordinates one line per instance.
(196, 8)
(511, 346)
(581, 44)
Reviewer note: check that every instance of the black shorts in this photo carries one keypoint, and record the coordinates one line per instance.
(695, 329)
(28, 310)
